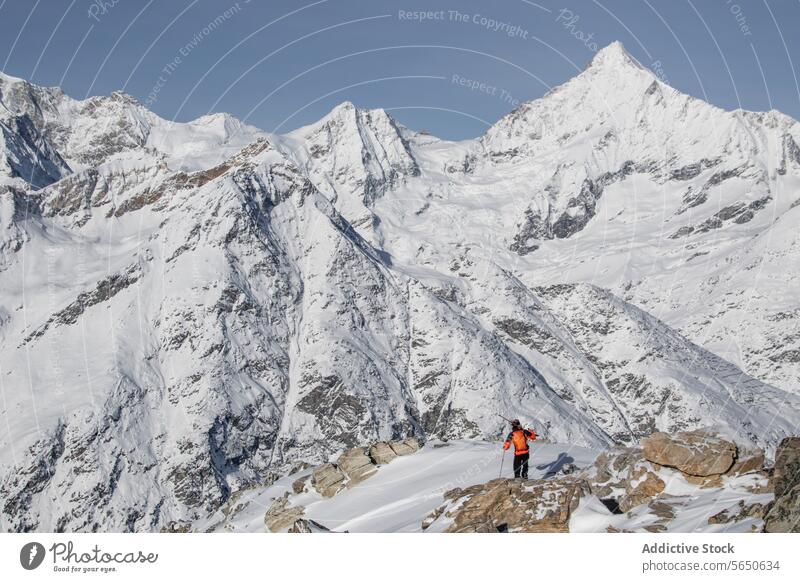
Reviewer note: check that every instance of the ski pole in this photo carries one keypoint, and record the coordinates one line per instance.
(502, 460)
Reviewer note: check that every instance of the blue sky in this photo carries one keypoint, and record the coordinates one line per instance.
(279, 64)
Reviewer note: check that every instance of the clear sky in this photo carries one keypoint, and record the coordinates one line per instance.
(280, 64)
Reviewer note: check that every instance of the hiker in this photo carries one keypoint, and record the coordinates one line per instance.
(520, 437)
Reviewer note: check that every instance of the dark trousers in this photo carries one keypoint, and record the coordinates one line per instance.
(521, 465)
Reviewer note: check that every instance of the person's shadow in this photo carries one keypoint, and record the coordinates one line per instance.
(552, 469)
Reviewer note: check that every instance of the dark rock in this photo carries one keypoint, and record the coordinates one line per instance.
(786, 472)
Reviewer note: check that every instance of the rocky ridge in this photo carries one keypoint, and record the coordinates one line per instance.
(632, 481)
(351, 468)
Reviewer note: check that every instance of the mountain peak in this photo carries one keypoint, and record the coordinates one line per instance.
(345, 107)
(123, 97)
(614, 56)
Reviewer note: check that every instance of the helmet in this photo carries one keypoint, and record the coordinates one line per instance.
(516, 423)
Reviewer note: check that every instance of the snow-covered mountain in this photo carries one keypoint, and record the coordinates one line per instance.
(191, 309)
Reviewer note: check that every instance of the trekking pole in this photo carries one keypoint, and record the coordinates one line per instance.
(502, 460)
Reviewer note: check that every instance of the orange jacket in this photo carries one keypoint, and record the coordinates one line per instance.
(520, 438)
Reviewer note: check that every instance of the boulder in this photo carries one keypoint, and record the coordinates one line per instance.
(356, 465)
(382, 453)
(328, 479)
(299, 485)
(693, 452)
(282, 514)
(513, 505)
(786, 472)
(405, 447)
(748, 462)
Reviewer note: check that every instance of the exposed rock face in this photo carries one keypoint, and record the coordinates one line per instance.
(631, 477)
(739, 512)
(328, 479)
(512, 505)
(693, 452)
(784, 513)
(176, 527)
(611, 468)
(663, 511)
(282, 514)
(786, 472)
(307, 526)
(356, 465)
(624, 475)
(748, 462)
(641, 491)
(382, 453)
(405, 447)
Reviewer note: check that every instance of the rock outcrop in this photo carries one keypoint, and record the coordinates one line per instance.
(624, 475)
(509, 505)
(282, 514)
(354, 466)
(630, 480)
(382, 453)
(748, 462)
(739, 512)
(783, 515)
(407, 446)
(307, 526)
(328, 479)
(299, 485)
(695, 452)
(786, 472)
